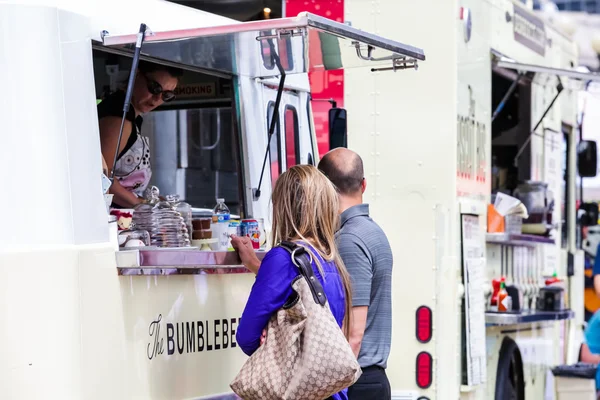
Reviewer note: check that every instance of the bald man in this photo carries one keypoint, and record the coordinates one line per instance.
(365, 250)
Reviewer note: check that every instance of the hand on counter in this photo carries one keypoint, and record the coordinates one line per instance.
(243, 246)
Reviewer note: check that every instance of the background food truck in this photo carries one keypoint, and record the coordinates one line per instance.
(82, 320)
(434, 151)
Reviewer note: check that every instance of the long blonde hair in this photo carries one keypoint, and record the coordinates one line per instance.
(306, 207)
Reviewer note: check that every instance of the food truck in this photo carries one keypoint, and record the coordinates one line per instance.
(497, 97)
(83, 319)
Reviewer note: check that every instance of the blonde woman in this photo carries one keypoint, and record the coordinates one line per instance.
(305, 211)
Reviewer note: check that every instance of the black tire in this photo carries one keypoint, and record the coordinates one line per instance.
(510, 381)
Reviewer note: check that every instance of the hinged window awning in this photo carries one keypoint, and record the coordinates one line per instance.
(306, 42)
(507, 63)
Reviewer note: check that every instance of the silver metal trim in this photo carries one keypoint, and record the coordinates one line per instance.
(369, 57)
(346, 31)
(283, 32)
(569, 73)
(167, 271)
(303, 20)
(294, 254)
(180, 259)
(121, 52)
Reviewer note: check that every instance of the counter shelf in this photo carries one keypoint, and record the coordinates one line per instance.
(509, 239)
(514, 318)
(179, 262)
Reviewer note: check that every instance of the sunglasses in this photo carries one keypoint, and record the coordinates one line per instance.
(156, 88)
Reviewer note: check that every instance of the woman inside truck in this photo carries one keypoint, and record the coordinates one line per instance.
(154, 85)
(305, 210)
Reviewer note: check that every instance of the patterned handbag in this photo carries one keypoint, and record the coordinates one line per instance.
(305, 355)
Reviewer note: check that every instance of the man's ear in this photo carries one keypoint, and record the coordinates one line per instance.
(363, 185)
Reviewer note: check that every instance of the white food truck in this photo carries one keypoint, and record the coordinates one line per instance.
(81, 319)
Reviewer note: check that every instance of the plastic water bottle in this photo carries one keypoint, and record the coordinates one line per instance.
(222, 211)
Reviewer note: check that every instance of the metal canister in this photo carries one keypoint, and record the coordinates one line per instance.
(244, 228)
(263, 235)
(251, 230)
(234, 228)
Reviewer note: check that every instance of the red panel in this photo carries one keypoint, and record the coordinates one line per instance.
(325, 85)
(290, 138)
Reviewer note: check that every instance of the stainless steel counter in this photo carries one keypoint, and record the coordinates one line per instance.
(179, 261)
(501, 318)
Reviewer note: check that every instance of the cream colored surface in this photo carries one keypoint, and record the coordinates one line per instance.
(76, 330)
(404, 125)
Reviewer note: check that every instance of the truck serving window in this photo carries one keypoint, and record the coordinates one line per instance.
(193, 140)
(292, 145)
(274, 146)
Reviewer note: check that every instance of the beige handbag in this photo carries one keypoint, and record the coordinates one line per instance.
(306, 355)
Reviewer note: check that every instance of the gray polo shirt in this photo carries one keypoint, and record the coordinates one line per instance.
(365, 250)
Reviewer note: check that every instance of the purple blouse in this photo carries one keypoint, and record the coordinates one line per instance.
(271, 290)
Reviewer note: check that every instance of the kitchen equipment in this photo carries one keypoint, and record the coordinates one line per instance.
(134, 238)
(182, 208)
(517, 297)
(537, 199)
(551, 298)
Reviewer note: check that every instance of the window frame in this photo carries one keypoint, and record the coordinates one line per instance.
(277, 133)
(296, 128)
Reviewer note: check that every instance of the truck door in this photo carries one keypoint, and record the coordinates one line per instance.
(293, 144)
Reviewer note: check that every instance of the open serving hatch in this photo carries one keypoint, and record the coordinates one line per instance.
(303, 43)
(500, 62)
(263, 49)
(515, 71)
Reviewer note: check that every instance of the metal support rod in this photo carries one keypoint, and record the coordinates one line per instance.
(369, 57)
(395, 68)
(579, 236)
(330, 101)
(274, 118)
(132, 74)
(510, 91)
(399, 64)
(559, 89)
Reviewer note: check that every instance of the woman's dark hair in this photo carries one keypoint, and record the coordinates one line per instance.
(147, 67)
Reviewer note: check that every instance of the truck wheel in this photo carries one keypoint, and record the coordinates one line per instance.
(510, 383)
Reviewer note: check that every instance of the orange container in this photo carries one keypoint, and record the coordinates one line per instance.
(495, 221)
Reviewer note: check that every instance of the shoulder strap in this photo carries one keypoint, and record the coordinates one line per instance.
(303, 260)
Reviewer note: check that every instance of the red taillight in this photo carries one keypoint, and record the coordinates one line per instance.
(423, 324)
(424, 369)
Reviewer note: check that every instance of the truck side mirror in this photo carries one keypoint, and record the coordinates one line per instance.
(589, 217)
(338, 128)
(587, 158)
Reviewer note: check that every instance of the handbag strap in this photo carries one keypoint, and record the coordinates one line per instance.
(302, 259)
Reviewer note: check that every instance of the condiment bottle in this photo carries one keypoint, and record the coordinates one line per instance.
(552, 280)
(495, 290)
(503, 297)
